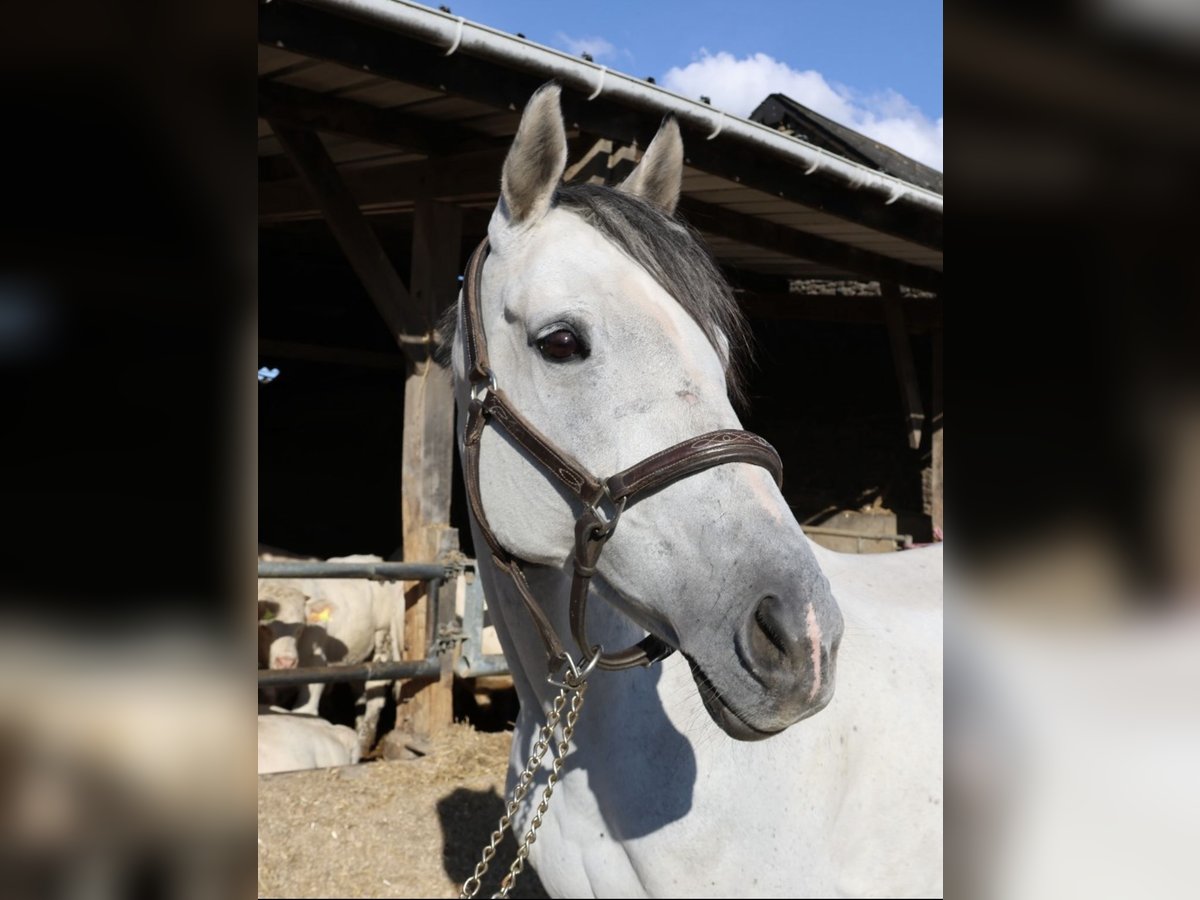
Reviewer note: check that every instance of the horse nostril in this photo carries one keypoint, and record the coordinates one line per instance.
(774, 635)
(765, 617)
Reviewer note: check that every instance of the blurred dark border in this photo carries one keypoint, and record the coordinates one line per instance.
(127, 282)
(1074, 309)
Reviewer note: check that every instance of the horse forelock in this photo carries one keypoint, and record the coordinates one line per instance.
(673, 254)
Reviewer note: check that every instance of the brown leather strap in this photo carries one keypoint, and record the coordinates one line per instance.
(558, 462)
(557, 654)
(590, 538)
(627, 487)
(478, 366)
(692, 456)
(475, 499)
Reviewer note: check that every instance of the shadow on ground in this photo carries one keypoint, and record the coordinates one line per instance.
(468, 819)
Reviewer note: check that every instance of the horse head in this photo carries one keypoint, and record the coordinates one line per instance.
(612, 331)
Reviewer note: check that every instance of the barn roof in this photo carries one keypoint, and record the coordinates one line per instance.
(781, 112)
(410, 101)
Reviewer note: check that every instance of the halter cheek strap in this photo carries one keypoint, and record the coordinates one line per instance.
(603, 499)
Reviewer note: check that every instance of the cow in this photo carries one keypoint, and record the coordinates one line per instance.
(287, 743)
(342, 621)
(281, 621)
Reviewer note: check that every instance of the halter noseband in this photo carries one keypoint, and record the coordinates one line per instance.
(603, 499)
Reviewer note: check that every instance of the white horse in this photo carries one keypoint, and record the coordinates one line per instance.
(610, 330)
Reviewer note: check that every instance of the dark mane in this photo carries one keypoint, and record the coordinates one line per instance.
(672, 253)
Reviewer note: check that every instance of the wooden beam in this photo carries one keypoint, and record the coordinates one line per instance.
(461, 178)
(428, 458)
(603, 162)
(906, 373)
(436, 246)
(935, 511)
(608, 162)
(340, 356)
(921, 315)
(353, 233)
(386, 222)
(747, 229)
(299, 108)
(322, 35)
(758, 282)
(475, 176)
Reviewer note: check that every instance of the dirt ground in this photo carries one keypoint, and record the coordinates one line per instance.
(411, 828)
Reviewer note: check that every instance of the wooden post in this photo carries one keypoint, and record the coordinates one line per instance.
(428, 460)
(603, 162)
(936, 425)
(906, 373)
(428, 451)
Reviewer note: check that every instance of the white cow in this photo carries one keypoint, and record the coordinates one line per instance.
(281, 619)
(347, 621)
(287, 743)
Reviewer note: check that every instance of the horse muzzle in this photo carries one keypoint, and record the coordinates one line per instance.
(787, 646)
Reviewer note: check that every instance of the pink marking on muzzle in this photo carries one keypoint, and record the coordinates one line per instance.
(814, 641)
(284, 662)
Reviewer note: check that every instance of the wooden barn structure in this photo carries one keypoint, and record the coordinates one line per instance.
(382, 128)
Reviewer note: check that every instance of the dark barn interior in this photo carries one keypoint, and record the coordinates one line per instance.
(330, 431)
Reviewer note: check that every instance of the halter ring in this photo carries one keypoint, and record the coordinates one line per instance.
(479, 387)
(574, 677)
(607, 523)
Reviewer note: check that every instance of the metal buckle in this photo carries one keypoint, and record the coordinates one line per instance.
(607, 523)
(480, 389)
(574, 677)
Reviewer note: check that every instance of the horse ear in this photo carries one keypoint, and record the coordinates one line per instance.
(659, 175)
(538, 156)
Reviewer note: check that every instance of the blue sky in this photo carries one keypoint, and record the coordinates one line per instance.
(874, 65)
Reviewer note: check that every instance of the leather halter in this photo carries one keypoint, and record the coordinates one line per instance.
(603, 499)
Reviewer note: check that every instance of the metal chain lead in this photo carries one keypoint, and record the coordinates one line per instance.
(471, 886)
(560, 760)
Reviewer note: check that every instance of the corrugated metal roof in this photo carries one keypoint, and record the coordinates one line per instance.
(782, 112)
(791, 238)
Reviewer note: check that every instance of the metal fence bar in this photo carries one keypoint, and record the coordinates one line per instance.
(482, 667)
(377, 571)
(368, 671)
(471, 664)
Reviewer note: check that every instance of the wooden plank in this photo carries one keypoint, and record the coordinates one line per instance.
(746, 229)
(906, 373)
(271, 59)
(449, 178)
(424, 708)
(936, 425)
(351, 230)
(920, 315)
(603, 162)
(394, 128)
(428, 457)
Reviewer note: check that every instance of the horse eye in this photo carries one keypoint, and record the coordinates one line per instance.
(560, 344)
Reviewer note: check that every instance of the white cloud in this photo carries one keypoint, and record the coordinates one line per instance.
(596, 47)
(739, 85)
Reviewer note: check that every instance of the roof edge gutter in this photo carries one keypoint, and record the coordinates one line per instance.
(459, 35)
